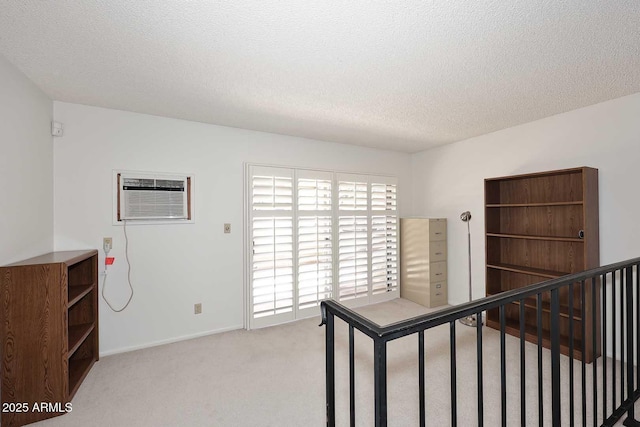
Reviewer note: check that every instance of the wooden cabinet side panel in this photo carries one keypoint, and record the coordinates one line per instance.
(592, 260)
(32, 330)
(592, 219)
(96, 334)
(64, 335)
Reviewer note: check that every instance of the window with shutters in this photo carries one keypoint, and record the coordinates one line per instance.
(353, 237)
(272, 243)
(316, 235)
(384, 238)
(367, 237)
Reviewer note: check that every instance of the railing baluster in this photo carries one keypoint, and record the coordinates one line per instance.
(614, 339)
(638, 328)
(572, 408)
(421, 379)
(629, 366)
(352, 378)
(523, 389)
(555, 358)
(540, 374)
(330, 373)
(480, 368)
(503, 372)
(622, 325)
(583, 328)
(454, 391)
(380, 381)
(604, 346)
(594, 343)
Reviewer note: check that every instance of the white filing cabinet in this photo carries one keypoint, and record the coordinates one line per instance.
(423, 260)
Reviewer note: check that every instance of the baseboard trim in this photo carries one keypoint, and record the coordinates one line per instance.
(169, 341)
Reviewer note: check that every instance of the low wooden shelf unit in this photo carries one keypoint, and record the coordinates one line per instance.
(49, 331)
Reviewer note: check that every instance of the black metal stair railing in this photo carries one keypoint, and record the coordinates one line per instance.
(615, 389)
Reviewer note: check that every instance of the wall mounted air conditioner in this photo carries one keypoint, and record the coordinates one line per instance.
(150, 197)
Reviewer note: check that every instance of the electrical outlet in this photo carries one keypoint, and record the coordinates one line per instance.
(227, 228)
(197, 308)
(107, 244)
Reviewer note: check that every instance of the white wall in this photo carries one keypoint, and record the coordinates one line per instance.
(450, 179)
(26, 167)
(175, 266)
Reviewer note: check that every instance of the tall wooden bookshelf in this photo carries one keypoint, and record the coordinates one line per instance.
(538, 227)
(48, 332)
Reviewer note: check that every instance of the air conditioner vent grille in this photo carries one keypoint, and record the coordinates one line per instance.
(151, 198)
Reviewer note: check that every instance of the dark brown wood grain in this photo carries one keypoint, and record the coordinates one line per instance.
(82, 312)
(34, 328)
(546, 221)
(558, 256)
(81, 361)
(532, 225)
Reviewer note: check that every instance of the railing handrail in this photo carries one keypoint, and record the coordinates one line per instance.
(447, 315)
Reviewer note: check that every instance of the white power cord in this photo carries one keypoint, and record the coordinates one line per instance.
(126, 254)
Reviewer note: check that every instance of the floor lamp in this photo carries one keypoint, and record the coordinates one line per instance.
(469, 320)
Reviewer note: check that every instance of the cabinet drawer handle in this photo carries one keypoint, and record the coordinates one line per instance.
(438, 232)
(438, 286)
(438, 274)
(438, 253)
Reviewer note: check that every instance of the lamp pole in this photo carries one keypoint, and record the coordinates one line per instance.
(471, 319)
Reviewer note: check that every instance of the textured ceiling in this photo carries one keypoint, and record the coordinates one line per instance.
(402, 75)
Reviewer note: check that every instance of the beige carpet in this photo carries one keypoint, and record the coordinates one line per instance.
(275, 377)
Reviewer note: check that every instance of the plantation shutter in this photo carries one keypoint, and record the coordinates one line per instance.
(272, 261)
(315, 229)
(315, 235)
(384, 236)
(353, 240)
